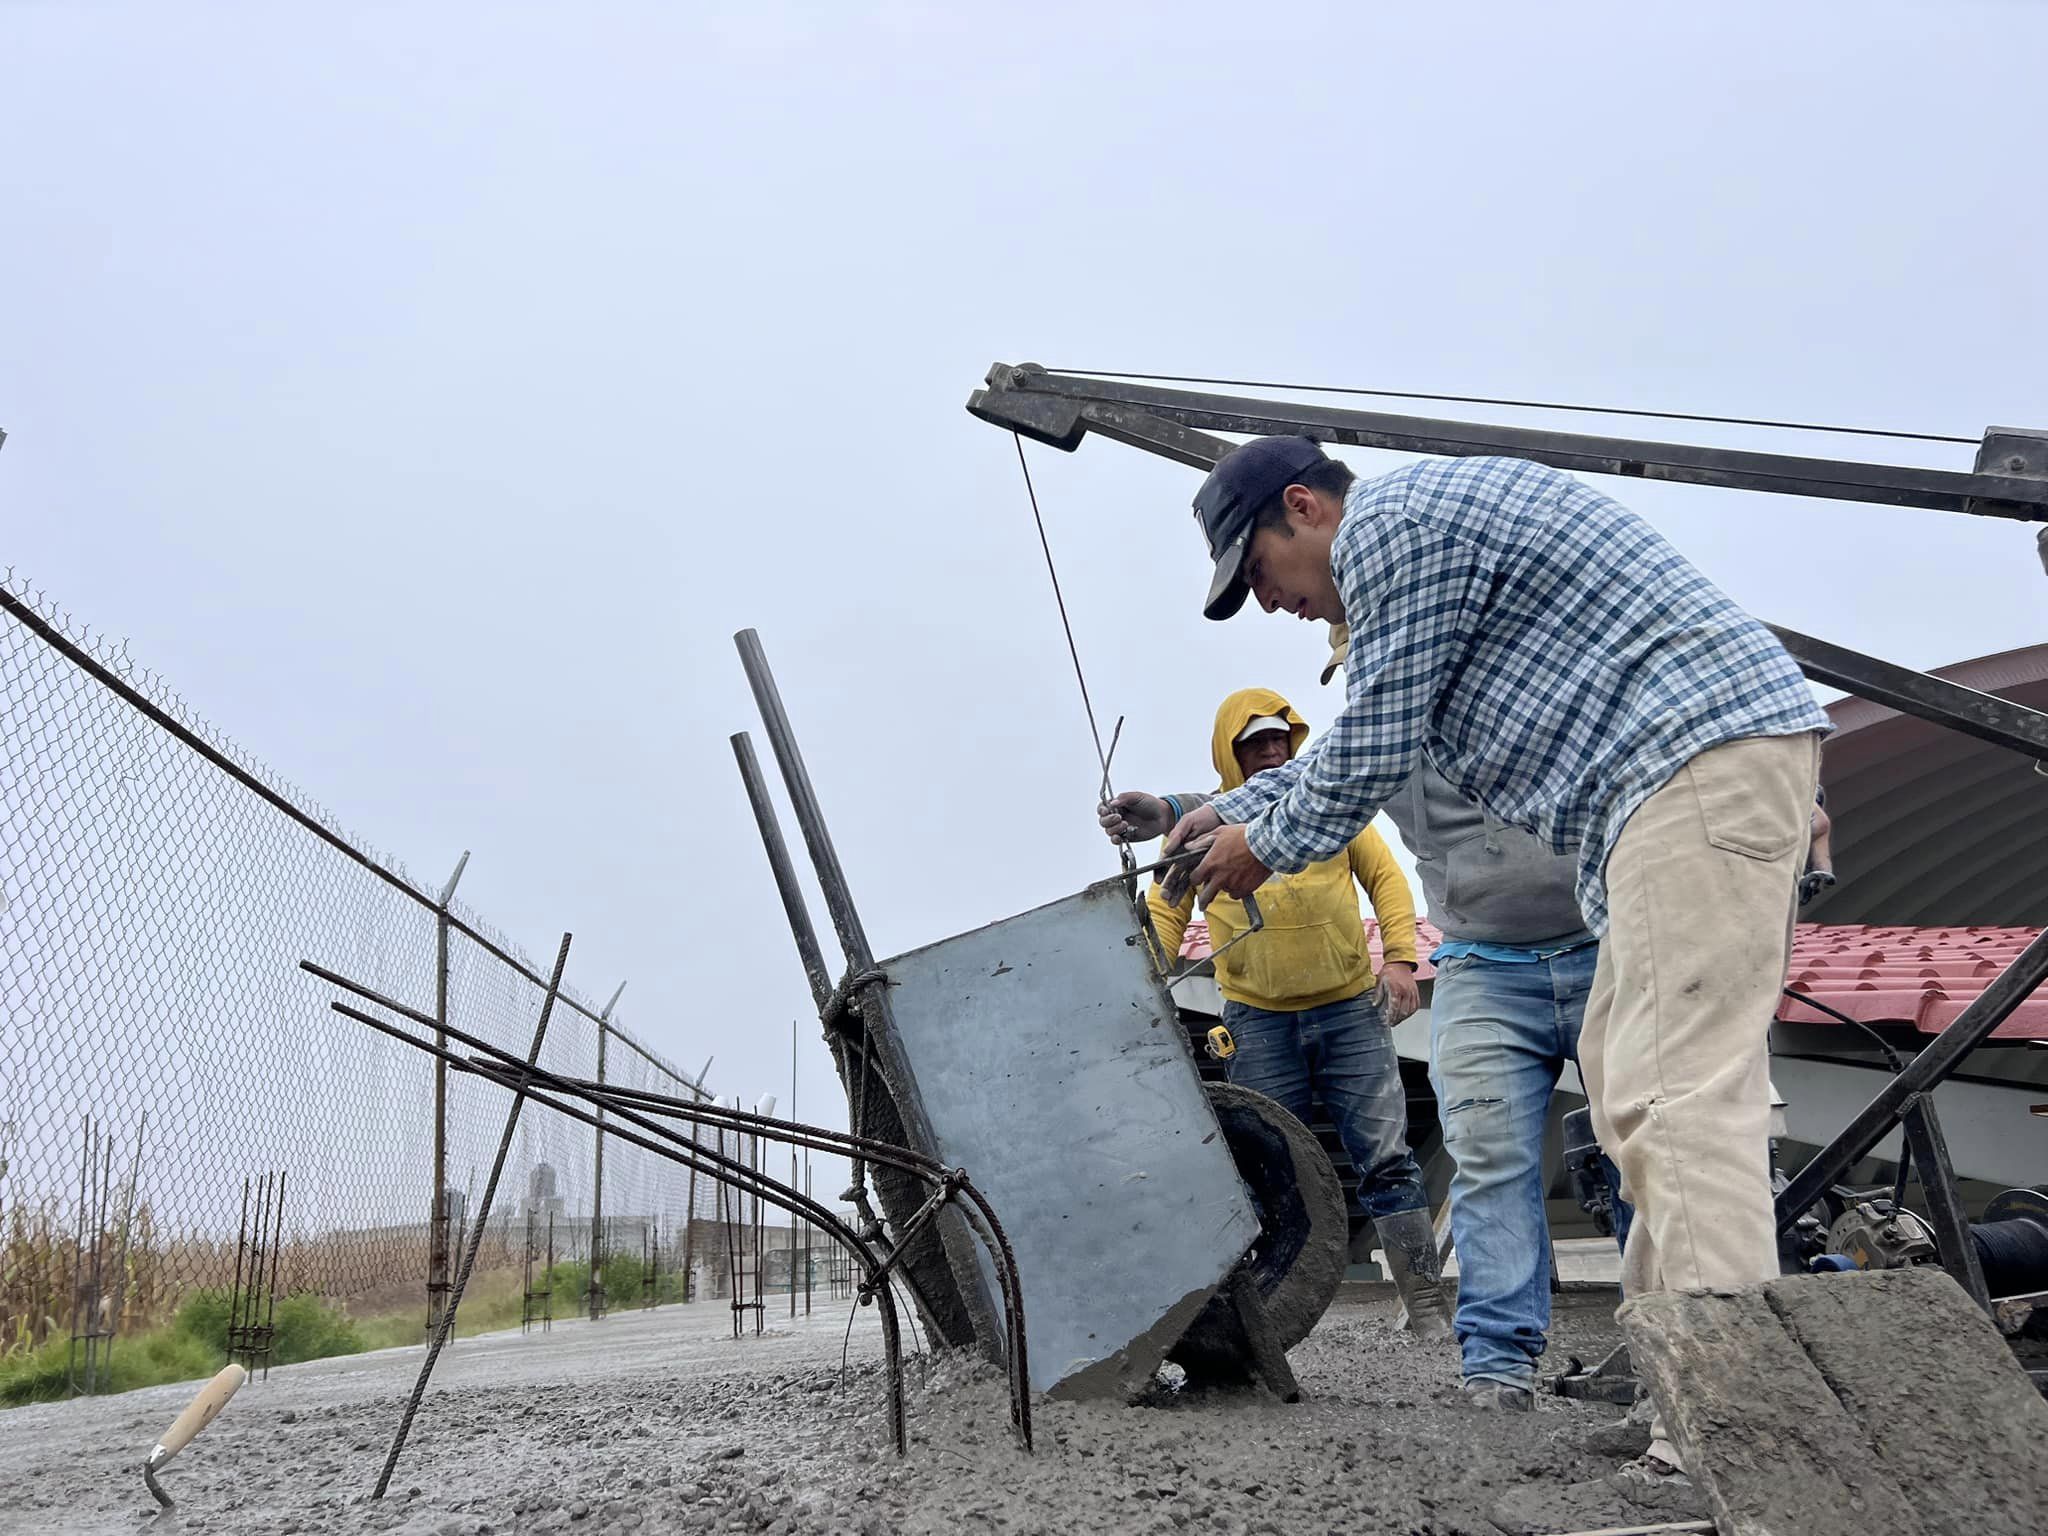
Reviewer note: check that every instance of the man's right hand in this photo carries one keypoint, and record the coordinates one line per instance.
(1134, 817)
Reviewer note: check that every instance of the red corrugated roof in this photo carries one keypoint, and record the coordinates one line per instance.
(1918, 976)
(1922, 977)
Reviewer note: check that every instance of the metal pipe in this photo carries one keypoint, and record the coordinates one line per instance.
(594, 1292)
(793, 1180)
(1994, 495)
(2013, 986)
(437, 1236)
(803, 799)
(853, 940)
(779, 861)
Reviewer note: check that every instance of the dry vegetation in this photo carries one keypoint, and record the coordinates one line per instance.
(166, 1300)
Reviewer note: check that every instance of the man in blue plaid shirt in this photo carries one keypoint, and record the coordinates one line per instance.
(1570, 671)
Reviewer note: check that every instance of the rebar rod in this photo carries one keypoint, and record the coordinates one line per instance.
(540, 1082)
(235, 1293)
(992, 1235)
(1005, 1259)
(78, 1254)
(819, 1138)
(445, 1324)
(127, 1227)
(276, 1256)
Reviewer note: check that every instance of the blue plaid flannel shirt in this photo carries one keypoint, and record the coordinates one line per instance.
(1558, 657)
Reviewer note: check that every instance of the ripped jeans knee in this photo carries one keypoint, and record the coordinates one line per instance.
(1481, 1135)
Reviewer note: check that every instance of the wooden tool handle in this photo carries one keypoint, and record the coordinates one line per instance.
(202, 1411)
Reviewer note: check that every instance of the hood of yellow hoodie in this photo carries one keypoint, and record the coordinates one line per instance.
(1239, 711)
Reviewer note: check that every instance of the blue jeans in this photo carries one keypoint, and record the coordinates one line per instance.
(1342, 1054)
(1500, 1033)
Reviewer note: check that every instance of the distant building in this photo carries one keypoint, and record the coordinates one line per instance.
(541, 1198)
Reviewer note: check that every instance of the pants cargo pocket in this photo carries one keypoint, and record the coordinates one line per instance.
(1749, 800)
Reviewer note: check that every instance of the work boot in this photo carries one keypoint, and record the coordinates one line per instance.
(1409, 1242)
(1484, 1392)
(1645, 1492)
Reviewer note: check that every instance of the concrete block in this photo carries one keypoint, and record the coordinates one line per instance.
(1763, 1435)
(1935, 1391)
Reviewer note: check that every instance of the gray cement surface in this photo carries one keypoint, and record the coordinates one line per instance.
(661, 1421)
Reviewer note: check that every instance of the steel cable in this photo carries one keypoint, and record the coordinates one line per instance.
(1522, 405)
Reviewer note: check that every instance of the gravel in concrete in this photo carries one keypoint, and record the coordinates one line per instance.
(662, 1422)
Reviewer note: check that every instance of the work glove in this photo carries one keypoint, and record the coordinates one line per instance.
(1812, 883)
(1134, 817)
(1193, 833)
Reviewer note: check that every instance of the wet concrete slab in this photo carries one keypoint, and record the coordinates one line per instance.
(661, 1421)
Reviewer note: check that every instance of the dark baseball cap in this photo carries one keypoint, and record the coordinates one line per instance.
(1245, 479)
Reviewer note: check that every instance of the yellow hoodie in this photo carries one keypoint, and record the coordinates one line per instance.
(1312, 949)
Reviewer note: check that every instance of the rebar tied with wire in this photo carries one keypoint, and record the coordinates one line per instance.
(626, 1116)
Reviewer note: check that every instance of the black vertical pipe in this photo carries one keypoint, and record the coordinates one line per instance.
(596, 1293)
(803, 799)
(437, 1207)
(800, 925)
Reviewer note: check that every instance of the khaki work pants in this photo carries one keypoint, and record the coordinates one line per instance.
(1675, 1051)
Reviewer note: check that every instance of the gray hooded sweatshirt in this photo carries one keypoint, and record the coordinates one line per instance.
(1485, 881)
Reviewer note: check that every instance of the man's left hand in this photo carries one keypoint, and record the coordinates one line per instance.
(1230, 868)
(1403, 997)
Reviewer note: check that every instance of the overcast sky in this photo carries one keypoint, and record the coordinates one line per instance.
(431, 391)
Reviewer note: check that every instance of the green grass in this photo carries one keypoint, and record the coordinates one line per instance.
(163, 1354)
(193, 1343)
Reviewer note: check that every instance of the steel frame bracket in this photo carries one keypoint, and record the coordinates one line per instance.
(1055, 407)
(1953, 1243)
(2009, 480)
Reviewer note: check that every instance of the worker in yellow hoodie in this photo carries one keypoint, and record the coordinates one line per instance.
(1299, 998)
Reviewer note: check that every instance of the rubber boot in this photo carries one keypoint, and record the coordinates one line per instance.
(1409, 1242)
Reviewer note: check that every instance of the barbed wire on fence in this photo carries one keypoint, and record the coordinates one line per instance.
(158, 886)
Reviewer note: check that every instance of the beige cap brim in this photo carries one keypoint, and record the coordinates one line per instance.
(1340, 646)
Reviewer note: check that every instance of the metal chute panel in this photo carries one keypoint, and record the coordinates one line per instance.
(1050, 1063)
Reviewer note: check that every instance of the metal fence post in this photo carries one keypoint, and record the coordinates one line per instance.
(792, 1168)
(437, 1226)
(690, 1199)
(604, 1029)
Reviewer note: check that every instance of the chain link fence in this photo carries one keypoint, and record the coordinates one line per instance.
(159, 1044)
